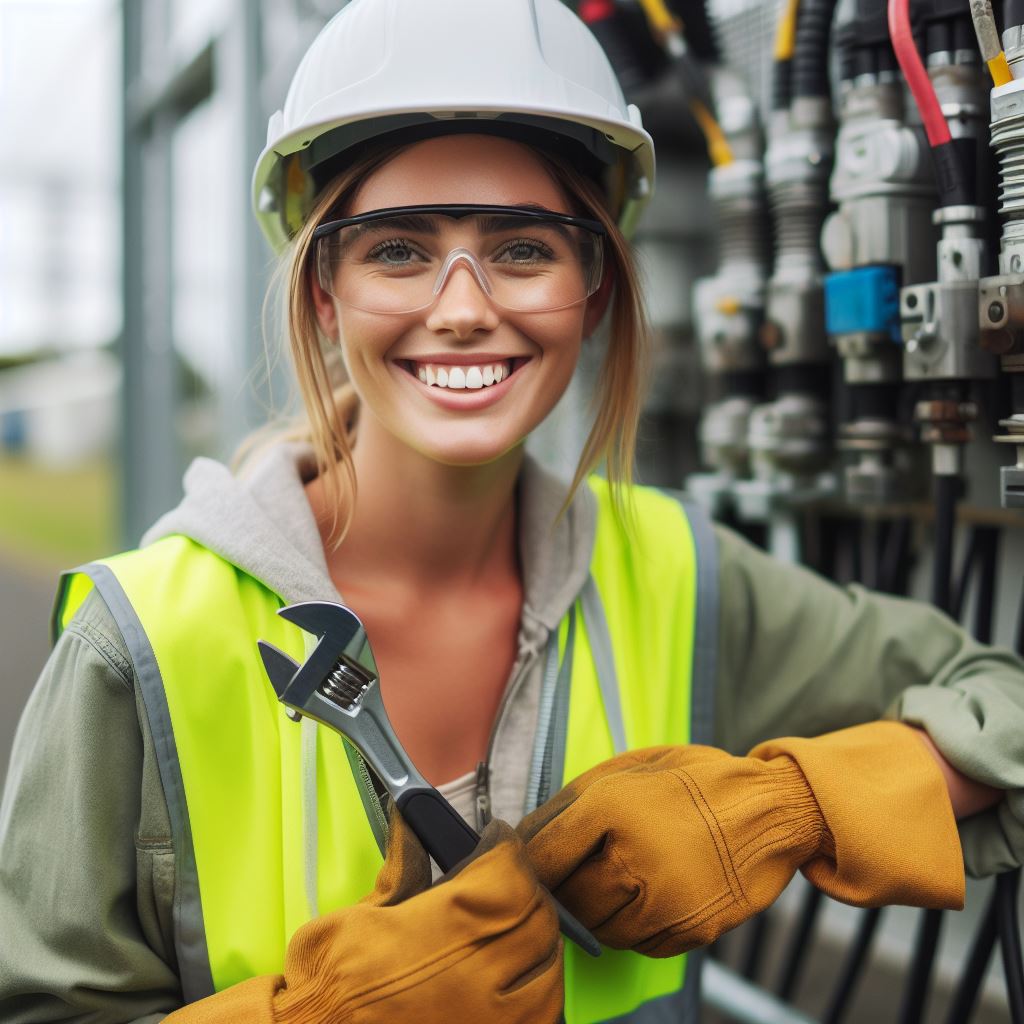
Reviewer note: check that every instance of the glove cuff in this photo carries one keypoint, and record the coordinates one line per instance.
(891, 835)
(249, 1001)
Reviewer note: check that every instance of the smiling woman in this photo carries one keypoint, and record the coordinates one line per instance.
(452, 216)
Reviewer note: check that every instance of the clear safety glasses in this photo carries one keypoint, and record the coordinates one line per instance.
(525, 259)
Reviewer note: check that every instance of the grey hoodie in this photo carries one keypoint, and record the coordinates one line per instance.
(86, 862)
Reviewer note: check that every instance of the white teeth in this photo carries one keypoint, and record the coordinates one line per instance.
(458, 378)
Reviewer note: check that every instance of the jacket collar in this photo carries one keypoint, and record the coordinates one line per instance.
(262, 523)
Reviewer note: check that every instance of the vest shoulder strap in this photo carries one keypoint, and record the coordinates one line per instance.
(189, 931)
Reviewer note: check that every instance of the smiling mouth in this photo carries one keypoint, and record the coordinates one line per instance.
(463, 378)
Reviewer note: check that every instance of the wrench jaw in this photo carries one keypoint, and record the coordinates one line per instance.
(280, 667)
(307, 689)
(332, 622)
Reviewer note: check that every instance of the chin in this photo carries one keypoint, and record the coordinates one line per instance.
(468, 452)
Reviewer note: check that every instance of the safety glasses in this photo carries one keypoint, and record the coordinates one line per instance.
(398, 260)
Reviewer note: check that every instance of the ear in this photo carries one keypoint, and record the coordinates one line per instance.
(597, 304)
(323, 304)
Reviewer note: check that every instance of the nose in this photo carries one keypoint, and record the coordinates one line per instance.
(462, 306)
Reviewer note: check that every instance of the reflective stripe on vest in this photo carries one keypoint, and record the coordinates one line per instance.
(230, 761)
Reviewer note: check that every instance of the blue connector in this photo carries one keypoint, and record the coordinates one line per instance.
(864, 300)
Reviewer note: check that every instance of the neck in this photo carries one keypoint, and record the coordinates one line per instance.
(421, 523)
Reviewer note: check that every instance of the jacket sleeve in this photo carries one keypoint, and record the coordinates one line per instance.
(800, 656)
(85, 860)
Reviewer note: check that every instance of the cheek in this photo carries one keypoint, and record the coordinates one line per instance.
(557, 335)
(365, 339)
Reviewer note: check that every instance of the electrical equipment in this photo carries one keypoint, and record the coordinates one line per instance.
(879, 239)
(1001, 297)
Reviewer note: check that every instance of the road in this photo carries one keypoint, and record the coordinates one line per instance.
(26, 597)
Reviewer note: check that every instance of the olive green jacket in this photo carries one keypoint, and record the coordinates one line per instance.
(86, 864)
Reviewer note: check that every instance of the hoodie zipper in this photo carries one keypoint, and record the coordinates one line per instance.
(482, 803)
(527, 658)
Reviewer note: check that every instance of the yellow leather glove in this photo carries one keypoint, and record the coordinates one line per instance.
(662, 850)
(482, 944)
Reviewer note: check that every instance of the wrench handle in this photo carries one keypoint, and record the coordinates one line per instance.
(438, 826)
(448, 839)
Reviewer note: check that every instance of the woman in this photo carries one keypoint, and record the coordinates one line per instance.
(492, 593)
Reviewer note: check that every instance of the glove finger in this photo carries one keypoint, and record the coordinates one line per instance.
(531, 949)
(406, 868)
(599, 889)
(537, 994)
(646, 759)
(540, 1000)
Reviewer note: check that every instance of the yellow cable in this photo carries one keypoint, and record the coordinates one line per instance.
(999, 70)
(718, 145)
(785, 37)
(660, 18)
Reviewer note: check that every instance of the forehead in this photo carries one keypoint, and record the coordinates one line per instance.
(460, 169)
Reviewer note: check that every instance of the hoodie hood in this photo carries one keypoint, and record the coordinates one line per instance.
(262, 523)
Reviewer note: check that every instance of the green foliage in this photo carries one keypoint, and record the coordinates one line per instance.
(57, 517)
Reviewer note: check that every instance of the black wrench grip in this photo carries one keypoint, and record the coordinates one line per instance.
(448, 839)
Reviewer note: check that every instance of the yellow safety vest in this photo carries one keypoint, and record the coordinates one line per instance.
(231, 762)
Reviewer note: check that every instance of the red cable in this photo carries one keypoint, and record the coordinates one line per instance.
(591, 11)
(913, 69)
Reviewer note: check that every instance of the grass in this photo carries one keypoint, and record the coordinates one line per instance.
(57, 517)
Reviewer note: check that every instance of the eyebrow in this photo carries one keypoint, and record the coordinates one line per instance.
(420, 222)
(430, 224)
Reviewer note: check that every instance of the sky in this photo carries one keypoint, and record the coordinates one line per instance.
(59, 173)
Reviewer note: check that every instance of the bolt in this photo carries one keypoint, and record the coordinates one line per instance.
(923, 338)
(996, 312)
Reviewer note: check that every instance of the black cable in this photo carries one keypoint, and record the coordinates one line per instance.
(1019, 639)
(947, 491)
(620, 41)
(988, 569)
(894, 571)
(810, 56)
(1007, 885)
(1013, 14)
(699, 28)
(782, 84)
(840, 1001)
(963, 581)
(966, 994)
(751, 964)
(916, 993)
(796, 955)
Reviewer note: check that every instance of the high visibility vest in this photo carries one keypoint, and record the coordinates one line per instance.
(231, 762)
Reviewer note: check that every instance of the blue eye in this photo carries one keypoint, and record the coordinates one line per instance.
(395, 252)
(523, 251)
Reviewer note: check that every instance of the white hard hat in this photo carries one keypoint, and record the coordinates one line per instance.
(526, 68)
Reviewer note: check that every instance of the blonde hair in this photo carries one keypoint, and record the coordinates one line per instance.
(332, 406)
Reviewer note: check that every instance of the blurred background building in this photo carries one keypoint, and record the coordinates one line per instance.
(133, 332)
